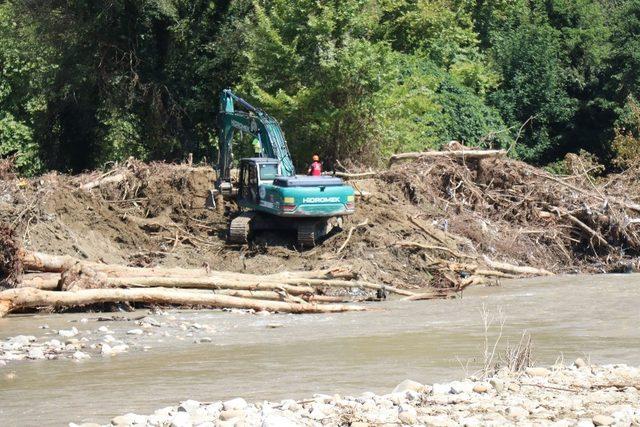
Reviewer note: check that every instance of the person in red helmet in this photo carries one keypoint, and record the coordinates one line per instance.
(315, 169)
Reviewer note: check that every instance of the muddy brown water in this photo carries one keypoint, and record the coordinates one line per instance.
(567, 317)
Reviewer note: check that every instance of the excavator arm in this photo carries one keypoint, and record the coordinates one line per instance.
(254, 122)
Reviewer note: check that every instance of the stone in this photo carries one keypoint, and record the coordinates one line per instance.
(275, 420)
(459, 387)
(497, 384)
(580, 363)
(438, 421)
(274, 325)
(584, 422)
(408, 385)
(79, 355)
(359, 424)
(181, 419)
(234, 404)
(537, 372)
(103, 329)
(135, 332)
(106, 350)
(231, 414)
(117, 349)
(205, 339)
(129, 419)
(480, 387)
(470, 422)
(407, 414)
(35, 353)
(437, 388)
(602, 420)
(517, 412)
(68, 333)
(18, 342)
(189, 406)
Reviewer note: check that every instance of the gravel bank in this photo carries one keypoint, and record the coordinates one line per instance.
(578, 394)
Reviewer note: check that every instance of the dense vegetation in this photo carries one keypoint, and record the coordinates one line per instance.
(86, 82)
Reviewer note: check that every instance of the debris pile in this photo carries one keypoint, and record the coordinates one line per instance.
(440, 221)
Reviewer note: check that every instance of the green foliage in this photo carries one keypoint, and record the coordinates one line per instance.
(82, 84)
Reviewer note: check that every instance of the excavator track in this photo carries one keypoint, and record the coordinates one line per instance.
(240, 228)
(307, 234)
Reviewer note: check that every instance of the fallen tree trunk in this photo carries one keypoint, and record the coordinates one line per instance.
(44, 281)
(458, 154)
(105, 180)
(21, 298)
(38, 261)
(517, 269)
(256, 284)
(358, 175)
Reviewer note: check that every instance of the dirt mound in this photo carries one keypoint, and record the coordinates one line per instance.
(432, 221)
(10, 266)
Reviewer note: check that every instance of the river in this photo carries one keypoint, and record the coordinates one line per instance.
(594, 317)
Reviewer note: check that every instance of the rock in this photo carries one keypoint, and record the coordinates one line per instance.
(408, 385)
(480, 387)
(438, 421)
(150, 321)
(458, 387)
(205, 339)
(517, 412)
(359, 424)
(470, 422)
(234, 404)
(437, 388)
(274, 325)
(78, 355)
(497, 384)
(189, 406)
(584, 422)
(602, 420)
(129, 419)
(135, 332)
(35, 353)
(106, 350)
(103, 329)
(117, 349)
(68, 333)
(18, 342)
(537, 372)
(407, 414)
(181, 419)
(275, 420)
(231, 414)
(579, 363)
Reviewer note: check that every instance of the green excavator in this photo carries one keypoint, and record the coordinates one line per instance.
(269, 194)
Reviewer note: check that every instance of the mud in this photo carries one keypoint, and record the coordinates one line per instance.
(497, 208)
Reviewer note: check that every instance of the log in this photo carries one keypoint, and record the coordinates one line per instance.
(458, 154)
(516, 269)
(21, 298)
(256, 284)
(358, 175)
(45, 281)
(105, 180)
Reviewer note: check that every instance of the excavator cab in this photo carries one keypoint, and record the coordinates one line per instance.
(254, 172)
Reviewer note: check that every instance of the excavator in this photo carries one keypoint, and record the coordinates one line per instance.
(269, 194)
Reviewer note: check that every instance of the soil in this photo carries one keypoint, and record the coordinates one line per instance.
(503, 209)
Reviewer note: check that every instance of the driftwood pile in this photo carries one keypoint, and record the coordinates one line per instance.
(485, 203)
(64, 281)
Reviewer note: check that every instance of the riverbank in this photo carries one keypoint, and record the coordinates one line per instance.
(592, 317)
(577, 394)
